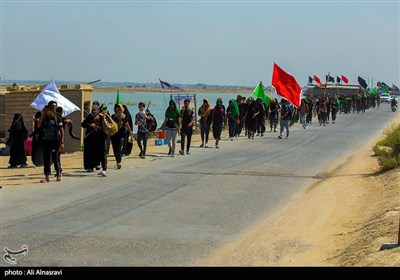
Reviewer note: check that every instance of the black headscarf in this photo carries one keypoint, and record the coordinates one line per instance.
(18, 119)
(128, 116)
(95, 108)
(17, 128)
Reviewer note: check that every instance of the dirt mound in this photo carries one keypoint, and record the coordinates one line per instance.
(379, 228)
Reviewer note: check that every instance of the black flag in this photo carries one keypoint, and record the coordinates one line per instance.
(329, 79)
(362, 82)
(338, 79)
(310, 79)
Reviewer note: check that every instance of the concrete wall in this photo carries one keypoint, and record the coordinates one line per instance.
(78, 96)
(2, 115)
(19, 102)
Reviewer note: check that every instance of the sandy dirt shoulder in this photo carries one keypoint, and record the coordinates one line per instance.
(342, 220)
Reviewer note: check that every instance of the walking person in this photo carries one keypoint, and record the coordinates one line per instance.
(37, 141)
(64, 121)
(233, 117)
(172, 121)
(239, 125)
(251, 117)
(95, 141)
(310, 109)
(117, 140)
(303, 113)
(285, 116)
(53, 141)
(16, 139)
(260, 121)
(273, 112)
(128, 145)
(322, 111)
(218, 119)
(187, 117)
(142, 134)
(205, 122)
(334, 108)
(328, 108)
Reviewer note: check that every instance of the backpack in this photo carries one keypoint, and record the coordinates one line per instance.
(151, 124)
(110, 127)
(290, 113)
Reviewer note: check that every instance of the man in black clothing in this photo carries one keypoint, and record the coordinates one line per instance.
(53, 141)
(187, 116)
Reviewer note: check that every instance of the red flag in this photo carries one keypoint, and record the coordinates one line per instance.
(318, 80)
(344, 79)
(286, 85)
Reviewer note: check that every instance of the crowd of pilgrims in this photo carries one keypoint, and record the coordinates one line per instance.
(241, 115)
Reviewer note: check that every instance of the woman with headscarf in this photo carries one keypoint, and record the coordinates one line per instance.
(18, 135)
(233, 116)
(205, 122)
(172, 121)
(239, 126)
(37, 141)
(127, 149)
(260, 122)
(273, 112)
(251, 117)
(95, 141)
(218, 119)
(117, 139)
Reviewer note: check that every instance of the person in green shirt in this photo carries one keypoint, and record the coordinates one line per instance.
(172, 122)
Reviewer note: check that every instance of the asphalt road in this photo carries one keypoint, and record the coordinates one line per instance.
(174, 211)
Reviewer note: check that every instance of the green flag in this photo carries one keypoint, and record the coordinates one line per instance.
(337, 102)
(118, 101)
(258, 92)
(373, 91)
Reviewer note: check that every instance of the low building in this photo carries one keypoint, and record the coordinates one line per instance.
(17, 99)
(334, 89)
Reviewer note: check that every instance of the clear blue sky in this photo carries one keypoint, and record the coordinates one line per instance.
(213, 42)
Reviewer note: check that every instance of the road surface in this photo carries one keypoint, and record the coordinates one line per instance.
(175, 211)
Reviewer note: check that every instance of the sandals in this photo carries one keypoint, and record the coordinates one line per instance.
(45, 180)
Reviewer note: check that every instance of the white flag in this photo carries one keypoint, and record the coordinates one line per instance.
(51, 93)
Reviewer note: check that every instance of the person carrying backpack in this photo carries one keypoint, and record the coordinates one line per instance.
(53, 141)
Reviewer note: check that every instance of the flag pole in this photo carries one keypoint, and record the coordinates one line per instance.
(326, 85)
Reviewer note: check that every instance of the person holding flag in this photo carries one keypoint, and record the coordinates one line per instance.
(273, 112)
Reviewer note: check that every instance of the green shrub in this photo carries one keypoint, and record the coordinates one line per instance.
(388, 162)
(388, 148)
(379, 151)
